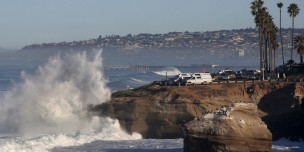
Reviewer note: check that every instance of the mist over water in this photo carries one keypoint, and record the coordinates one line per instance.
(49, 108)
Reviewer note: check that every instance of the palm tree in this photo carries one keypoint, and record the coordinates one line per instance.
(275, 45)
(267, 35)
(270, 34)
(256, 7)
(264, 26)
(280, 5)
(293, 11)
(299, 45)
(267, 24)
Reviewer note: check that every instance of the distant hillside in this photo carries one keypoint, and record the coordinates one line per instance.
(197, 46)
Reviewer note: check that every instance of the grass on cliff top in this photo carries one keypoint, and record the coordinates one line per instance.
(123, 93)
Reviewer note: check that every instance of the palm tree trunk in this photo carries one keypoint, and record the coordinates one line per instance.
(268, 53)
(270, 59)
(265, 53)
(292, 30)
(260, 43)
(274, 59)
(281, 36)
(270, 56)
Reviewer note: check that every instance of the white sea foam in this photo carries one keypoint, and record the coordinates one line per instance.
(169, 71)
(109, 130)
(49, 108)
(286, 145)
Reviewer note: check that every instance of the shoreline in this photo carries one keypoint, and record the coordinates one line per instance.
(132, 107)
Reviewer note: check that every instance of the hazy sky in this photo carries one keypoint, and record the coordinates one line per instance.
(25, 22)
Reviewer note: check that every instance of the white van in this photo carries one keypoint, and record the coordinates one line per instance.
(205, 78)
(199, 74)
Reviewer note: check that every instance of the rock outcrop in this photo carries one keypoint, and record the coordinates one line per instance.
(284, 111)
(235, 129)
(161, 112)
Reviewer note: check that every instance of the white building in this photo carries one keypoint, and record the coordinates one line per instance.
(241, 52)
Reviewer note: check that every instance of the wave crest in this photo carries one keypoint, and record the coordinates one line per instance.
(169, 71)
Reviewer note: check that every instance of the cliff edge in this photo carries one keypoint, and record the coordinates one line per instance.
(162, 111)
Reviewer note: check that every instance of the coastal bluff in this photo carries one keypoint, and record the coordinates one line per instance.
(171, 111)
(235, 128)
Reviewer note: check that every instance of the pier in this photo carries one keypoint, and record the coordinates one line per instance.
(127, 67)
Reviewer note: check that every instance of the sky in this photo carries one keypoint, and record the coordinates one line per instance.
(26, 22)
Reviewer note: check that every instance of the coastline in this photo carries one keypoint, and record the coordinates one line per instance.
(160, 112)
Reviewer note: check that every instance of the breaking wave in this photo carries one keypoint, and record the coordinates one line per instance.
(49, 108)
(169, 71)
(100, 129)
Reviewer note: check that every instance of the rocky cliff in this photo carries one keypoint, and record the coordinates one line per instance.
(235, 128)
(161, 112)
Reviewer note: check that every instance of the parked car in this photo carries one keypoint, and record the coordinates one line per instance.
(182, 75)
(224, 76)
(205, 78)
(253, 77)
(169, 81)
(231, 74)
(239, 75)
(182, 80)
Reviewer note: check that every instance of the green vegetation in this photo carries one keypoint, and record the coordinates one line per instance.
(268, 35)
(124, 93)
(293, 11)
(299, 45)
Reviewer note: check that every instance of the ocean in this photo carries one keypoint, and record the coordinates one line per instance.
(43, 105)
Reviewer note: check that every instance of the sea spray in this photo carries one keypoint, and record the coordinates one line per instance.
(169, 71)
(53, 103)
(100, 129)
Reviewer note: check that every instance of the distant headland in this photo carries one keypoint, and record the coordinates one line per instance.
(226, 43)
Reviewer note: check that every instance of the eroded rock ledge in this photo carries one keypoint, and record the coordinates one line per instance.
(161, 112)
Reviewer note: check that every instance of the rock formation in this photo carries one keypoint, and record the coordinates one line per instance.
(162, 111)
(235, 128)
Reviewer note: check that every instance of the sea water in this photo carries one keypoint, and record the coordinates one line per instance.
(43, 107)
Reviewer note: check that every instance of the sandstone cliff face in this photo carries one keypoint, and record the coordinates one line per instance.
(161, 112)
(235, 129)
